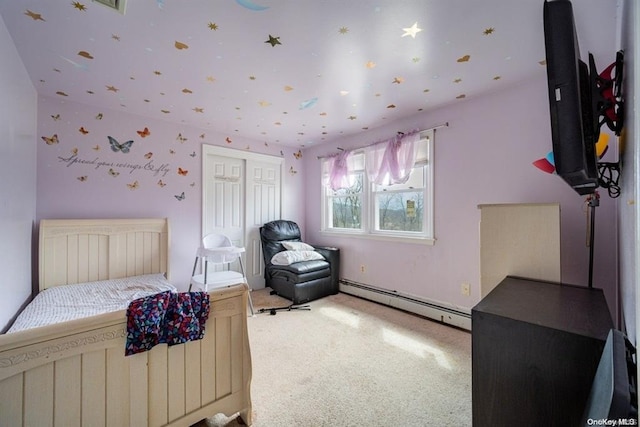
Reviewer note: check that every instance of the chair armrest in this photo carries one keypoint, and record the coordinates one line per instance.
(332, 255)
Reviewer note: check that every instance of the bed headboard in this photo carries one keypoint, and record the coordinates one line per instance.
(86, 250)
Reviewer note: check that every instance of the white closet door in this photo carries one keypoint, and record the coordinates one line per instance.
(241, 191)
(224, 198)
(263, 205)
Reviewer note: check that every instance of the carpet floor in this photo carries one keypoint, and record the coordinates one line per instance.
(351, 362)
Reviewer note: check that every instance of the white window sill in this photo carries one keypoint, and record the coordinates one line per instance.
(384, 237)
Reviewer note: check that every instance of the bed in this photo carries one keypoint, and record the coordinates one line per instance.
(76, 372)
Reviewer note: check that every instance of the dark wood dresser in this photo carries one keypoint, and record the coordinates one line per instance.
(535, 349)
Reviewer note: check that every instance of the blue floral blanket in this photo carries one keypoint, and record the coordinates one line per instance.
(166, 317)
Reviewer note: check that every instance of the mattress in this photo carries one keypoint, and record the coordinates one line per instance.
(70, 302)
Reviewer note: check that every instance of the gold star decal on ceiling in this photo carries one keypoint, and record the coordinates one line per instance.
(370, 64)
(198, 110)
(488, 31)
(213, 26)
(157, 73)
(211, 79)
(398, 80)
(273, 41)
(288, 88)
(457, 80)
(411, 31)
(115, 37)
(497, 78)
(79, 6)
(343, 30)
(112, 88)
(34, 16)
(264, 103)
(352, 117)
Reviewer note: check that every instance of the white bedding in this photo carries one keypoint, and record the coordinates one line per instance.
(69, 302)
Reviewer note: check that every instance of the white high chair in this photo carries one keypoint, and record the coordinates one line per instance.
(218, 249)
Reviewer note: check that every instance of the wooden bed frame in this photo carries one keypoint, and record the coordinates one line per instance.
(75, 373)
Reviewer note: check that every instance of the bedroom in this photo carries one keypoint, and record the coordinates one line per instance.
(484, 130)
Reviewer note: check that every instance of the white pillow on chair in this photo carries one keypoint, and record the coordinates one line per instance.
(289, 257)
(297, 246)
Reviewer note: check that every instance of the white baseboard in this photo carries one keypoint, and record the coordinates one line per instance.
(430, 309)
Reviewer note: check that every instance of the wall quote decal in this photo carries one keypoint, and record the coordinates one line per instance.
(150, 166)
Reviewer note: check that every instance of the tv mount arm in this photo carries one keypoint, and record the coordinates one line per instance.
(608, 104)
(606, 90)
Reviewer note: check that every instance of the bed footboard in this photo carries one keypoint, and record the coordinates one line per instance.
(76, 373)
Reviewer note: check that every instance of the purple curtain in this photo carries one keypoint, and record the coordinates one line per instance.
(339, 174)
(391, 162)
(388, 162)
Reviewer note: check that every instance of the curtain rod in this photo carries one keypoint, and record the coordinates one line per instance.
(442, 125)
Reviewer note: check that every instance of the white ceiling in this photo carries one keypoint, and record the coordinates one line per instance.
(333, 67)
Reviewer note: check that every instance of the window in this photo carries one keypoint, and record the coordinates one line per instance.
(403, 211)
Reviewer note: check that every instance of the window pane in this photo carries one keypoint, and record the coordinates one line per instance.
(416, 180)
(356, 187)
(346, 212)
(401, 211)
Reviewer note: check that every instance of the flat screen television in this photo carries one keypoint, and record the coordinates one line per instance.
(574, 122)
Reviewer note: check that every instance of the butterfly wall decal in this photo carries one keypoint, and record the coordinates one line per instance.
(180, 197)
(182, 172)
(82, 178)
(298, 155)
(181, 138)
(133, 185)
(53, 139)
(116, 146)
(83, 131)
(113, 172)
(148, 155)
(144, 133)
(161, 183)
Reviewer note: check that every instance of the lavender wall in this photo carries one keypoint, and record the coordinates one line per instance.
(18, 183)
(483, 157)
(80, 176)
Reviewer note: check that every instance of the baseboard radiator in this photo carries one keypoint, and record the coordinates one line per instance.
(412, 304)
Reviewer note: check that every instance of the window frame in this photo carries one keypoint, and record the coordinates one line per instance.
(368, 209)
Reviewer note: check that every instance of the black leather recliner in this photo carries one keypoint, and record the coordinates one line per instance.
(300, 281)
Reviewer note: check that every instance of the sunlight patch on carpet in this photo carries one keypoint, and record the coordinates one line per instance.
(341, 316)
(414, 346)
